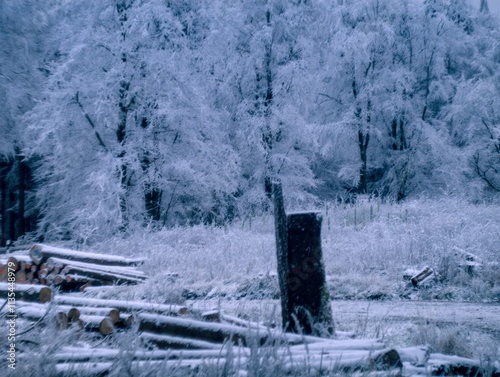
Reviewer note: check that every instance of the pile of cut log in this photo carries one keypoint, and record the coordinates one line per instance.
(175, 336)
(69, 270)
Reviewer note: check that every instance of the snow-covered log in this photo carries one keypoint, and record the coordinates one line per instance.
(446, 365)
(422, 275)
(35, 312)
(39, 253)
(385, 360)
(61, 263)
(27, 292)
(219, 332)
(104, 368)
(177, 342)
(101, 275)
(122, 306)
(74, 313)
(339, 345)
(349, 361)
(182, 327)
(77, 354)
(211, 316)
(241, 322)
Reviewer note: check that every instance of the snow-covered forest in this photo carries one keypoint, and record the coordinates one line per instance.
(123, 114)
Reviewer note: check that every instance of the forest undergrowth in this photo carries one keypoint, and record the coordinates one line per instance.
(367, 248)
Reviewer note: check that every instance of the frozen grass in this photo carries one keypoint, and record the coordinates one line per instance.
(366, 248)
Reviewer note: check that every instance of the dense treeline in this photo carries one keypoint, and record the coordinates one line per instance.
(126, 113)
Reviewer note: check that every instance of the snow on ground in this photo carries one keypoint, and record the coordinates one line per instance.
(367, 247)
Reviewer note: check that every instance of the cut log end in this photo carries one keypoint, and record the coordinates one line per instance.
(106, 326)
(73, 315)
(45, 295)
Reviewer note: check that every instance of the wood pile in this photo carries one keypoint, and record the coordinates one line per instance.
(173, 336)
(69, 270)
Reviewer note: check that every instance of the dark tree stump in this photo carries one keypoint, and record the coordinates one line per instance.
(308, 301)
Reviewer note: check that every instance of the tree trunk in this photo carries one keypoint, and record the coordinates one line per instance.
(484, 8)
(12, 215)
(281, 232)
(152, 199)
(21, 195)
(308, 298)
(121, 138)
(363, 139)
(4, 167)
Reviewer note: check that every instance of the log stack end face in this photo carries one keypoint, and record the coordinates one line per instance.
(36, 254)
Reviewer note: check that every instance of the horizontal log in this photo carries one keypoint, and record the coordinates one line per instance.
(336, 345)
(75, 312)
(35, 312)
(27, 292)
(421, 276)
(119, 270)
(215, 332)
(176, 342)
(348, 362)
(93, 287)
(122, 306)
(93, 369)
(366, 363)
(100, 275)
(76, 354)
(40, 253)
(199, 330)
(446, 365)
(241, 322)
(211, 316)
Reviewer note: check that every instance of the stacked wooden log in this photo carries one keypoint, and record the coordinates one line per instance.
(70, 270)
(107, 316)
(100, 316)
(172, 335)
(101, 361)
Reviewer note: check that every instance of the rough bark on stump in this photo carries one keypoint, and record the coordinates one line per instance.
(308, 300)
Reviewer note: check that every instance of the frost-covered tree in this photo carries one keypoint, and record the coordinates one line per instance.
(153, 112)
(123, 128)
(25, 52)
(391, 75)
(257, 64)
